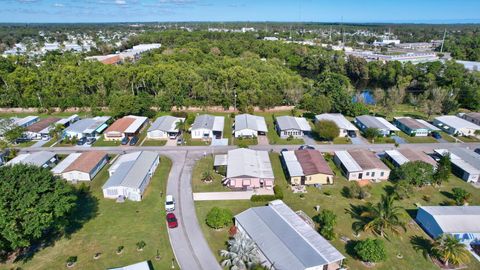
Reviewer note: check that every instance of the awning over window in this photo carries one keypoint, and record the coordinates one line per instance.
(101, 128)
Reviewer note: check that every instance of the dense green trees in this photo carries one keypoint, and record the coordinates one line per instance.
(327, 130)
(416, 173)
(32, 203)
(327, 221)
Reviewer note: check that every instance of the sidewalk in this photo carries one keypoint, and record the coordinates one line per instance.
(230, 195)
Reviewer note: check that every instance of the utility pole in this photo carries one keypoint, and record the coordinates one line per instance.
(234, 100)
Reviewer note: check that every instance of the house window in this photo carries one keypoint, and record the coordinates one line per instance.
(373, 174)
(382, 173)
(368, 173)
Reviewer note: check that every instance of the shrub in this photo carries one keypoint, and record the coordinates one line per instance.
(327, 220)
(180, 114)
(72, 259)
(218, 218)
(371, 250)
(278, 192)
(222, 170)
(119, 249)
(461, 196)
(262, 198)
(140, 245)
(290, 138)
(355, 192)
(327, 130)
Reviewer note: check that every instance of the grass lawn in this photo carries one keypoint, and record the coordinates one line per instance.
(198, 185)
(154, 142)
(342, 140)
(382, 140)
(245, 141)
(447, 136)
(25, 144)
(114, 225)
(334, 201)
(101, 142)
(410, 139)
(49, 143)
(468, 139)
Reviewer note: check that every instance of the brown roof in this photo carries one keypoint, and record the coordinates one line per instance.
(411, 123)
(121, 124)
(111, 60)
(312, 162)
(367, 160)
(414, 156)
(86, 161)
(42, 124)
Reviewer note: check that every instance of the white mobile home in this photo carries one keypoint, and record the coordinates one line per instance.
(381, 124)
(465, 163)
(164, 127)
(130, 175)
(88, 127)
(292, 126)
(455, 125)
(247, 125)
(342, 123)
(402, 156)
(81, 166)
(42, 159)
(361, 164)
(207, 127)
(127, 126)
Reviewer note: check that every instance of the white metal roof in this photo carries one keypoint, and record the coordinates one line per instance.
(65, 163)
(23, 121)
(387, 124)
(135, 126)
(220, 160)
(376, 122)
(348, 161)
(289, 122)
(37, 158)
(248, 121)
(285, 239)
(339, 120)
(166, 123)
(69, 119)
(428, 125)
(457, 122)
(137, 266)
(210, 122)
(465, 159)
(456, 219)
(250, 163)
(398, 157)
(291, 161)
(122, 159)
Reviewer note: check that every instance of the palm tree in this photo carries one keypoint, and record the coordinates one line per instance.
(207, 176)
(450, 250)
(241, 253)
(382, 216)
(55, 131)
(181, 126)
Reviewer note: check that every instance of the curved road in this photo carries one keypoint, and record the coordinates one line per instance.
(188, 242)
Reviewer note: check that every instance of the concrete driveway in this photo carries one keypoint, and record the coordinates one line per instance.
(262, 140)
(309, 139)
(171, 142)
(358, 140)
(399, 139)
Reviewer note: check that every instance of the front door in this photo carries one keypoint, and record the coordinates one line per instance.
(360, 176)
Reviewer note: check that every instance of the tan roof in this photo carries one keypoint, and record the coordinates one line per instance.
(312, 162)
(42, 124)
(417, 156)
(367, 160)
(111, 60)
(121, 124)
(411, 123)
(474, 115)
(86, 161)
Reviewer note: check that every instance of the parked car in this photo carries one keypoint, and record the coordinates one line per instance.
(172, 136)
(180, 141)
(306, 146)
(352, 134)
(477, 150)
(436, 135)
(82, 141)
(125, 140)
(133, 140)
(21, 140)
(91, 140)
(172, 220)
(169, 203)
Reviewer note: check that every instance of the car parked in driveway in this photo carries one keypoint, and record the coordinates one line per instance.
(125, 140)
(82, 141)
(91, 140)
(133, 140)
(169, 203)
(306, 146)
(436, 135)
(172, 220)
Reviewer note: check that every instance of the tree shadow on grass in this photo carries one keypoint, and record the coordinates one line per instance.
(355, 212)
(422, 244)
(350, 249)
(447, 194)
(86, 208)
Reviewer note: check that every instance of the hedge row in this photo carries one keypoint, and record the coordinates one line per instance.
(266, 198)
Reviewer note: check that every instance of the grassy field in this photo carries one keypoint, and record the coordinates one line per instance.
(382, 140)
(198, 185)
(25, 144)
(410, 139)
(245, 141)
(342, 140)
(49, 143)
(468, 139)
(447, 136)
(330, 197)
(112, 225)
(154, 142)
(101, 142)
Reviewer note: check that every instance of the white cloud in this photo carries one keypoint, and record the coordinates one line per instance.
(58, 5)
(120, 2)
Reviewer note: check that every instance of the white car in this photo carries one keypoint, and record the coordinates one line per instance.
(169, 203)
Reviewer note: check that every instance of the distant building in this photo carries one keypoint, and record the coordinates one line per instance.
(207, 127)
(415, 58)
(164, 127)
(414, 127)
(40, 129)
(365, 122)
(43, 159)
(25, 121)
(81, 166)
(473, 117)
(292, 126)
(130, 175)
(88, 127)
(307, 167)
(455, 125)
(285, 241)
(246, 169)
(470, 65)
(458, 221)
(127, 126)
(465, 163)
(361, 164)
(342, 123)
(386, 42)
(247, 125)
(402, 156)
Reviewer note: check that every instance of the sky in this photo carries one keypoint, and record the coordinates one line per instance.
(395, 11)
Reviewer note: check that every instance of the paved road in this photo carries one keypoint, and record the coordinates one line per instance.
(188, 242)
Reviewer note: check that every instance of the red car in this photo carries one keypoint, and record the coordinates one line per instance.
(172, 220)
